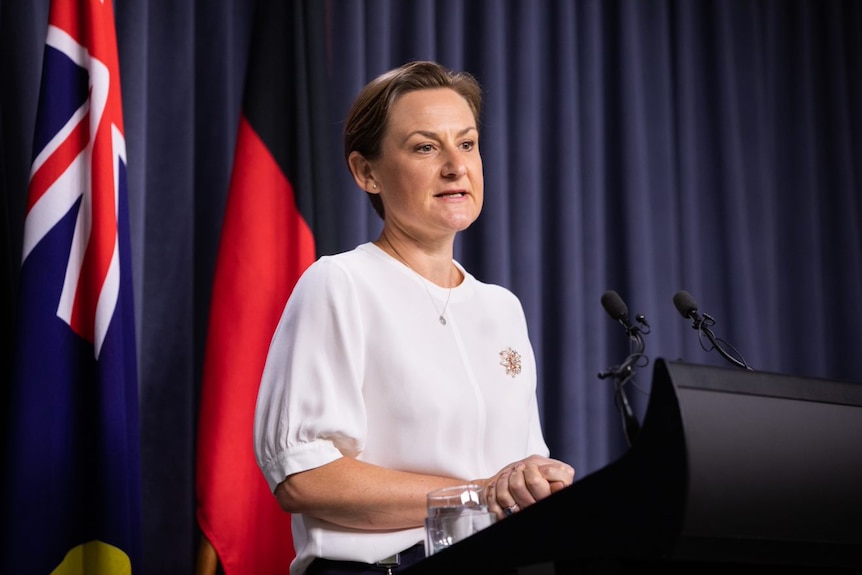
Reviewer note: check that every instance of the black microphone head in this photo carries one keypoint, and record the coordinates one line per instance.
(614, 305)
(685, 304)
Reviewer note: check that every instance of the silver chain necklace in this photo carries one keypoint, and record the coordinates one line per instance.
(442, 313)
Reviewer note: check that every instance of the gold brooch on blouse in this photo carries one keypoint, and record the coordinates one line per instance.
(511, 360)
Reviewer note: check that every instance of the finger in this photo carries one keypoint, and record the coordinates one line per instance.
(500, 501)
(558, 472)
(505, 499)
(503, 495)
(491, 499)
(518, 485)
(557, 486)
(535, 485)
(510, 510)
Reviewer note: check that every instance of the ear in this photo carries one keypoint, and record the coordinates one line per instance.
(363, 172)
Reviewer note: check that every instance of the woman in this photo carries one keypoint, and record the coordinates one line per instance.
(393, 371)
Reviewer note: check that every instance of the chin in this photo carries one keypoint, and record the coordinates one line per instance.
(461, 224)
(460, 221)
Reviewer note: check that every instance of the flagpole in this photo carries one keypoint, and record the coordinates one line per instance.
(207, 559)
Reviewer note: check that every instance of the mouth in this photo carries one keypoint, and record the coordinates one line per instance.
(459, 194)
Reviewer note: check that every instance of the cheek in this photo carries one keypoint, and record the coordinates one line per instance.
(479, 194)
(479, 185)
(477, 172)
(399, 184)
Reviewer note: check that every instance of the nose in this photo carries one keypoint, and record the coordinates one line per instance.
(455, 166)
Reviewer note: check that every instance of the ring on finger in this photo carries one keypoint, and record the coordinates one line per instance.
(513, 508)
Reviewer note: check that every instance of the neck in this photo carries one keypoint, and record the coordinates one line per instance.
(436, 268)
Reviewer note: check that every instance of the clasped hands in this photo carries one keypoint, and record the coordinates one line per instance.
(520, 484)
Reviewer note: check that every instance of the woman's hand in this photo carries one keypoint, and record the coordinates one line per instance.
(520, 484)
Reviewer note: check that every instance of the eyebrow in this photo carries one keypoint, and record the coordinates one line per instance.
(433, 135)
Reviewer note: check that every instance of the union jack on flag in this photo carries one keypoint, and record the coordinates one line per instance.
(73, 502)
(81, 148)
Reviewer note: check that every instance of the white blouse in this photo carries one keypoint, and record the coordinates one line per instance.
(360, 365)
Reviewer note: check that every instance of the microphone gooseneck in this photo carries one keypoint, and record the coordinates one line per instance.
(624, 372)
(687, 308)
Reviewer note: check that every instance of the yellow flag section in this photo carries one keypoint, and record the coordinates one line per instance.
(94, 558)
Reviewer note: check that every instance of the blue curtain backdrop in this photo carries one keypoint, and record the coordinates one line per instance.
(643, 146)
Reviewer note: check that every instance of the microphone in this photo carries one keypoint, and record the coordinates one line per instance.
(614, 305)
(617, 309)
(687, 308)
(686, 305)
(623, 373)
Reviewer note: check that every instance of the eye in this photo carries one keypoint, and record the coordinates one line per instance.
(424, 148)
(468, 145)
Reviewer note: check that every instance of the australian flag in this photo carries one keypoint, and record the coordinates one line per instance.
(73, 475)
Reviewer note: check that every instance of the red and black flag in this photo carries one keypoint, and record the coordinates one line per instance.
(266, 243)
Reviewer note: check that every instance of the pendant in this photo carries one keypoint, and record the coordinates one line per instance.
(442, 320)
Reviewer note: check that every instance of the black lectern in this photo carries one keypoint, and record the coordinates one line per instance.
(733, 471)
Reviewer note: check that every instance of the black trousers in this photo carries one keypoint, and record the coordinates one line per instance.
(331, 567)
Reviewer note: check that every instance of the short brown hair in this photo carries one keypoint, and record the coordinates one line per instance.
(369, 114)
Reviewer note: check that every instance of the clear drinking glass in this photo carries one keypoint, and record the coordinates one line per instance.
(453, 514)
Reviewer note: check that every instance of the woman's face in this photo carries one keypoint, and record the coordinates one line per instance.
(429, 171)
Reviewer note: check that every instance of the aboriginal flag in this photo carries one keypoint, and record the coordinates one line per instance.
(266, 243)
(73, 497)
